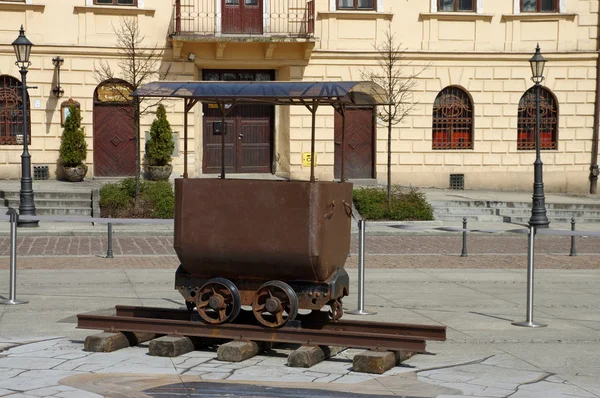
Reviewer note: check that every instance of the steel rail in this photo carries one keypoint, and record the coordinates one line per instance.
(251, 332)
(309, 321)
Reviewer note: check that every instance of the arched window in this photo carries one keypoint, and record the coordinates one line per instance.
(11, 111)
(452, 120)
(548, 120)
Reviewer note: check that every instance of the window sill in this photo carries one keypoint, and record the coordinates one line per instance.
(119, 10)
(21, 7)
(456, 16)
(355, 14)
(538, 16)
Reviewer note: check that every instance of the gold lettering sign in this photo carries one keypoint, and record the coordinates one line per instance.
(114, 93)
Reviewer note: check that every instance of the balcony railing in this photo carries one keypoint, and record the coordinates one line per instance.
(288, 18)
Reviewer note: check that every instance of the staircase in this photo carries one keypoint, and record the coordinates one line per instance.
(53, 203)
(513, 212)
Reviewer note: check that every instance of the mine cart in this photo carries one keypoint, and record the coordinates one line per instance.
(277, 246)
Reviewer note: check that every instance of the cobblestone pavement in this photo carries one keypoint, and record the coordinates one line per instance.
(406, 251)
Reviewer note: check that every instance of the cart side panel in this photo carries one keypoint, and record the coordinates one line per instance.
(257, 229)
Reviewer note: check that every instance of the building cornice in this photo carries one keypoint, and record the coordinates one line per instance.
(456, 16)
(22, 7)
(114, 10)
(355, 15)
(538, 17)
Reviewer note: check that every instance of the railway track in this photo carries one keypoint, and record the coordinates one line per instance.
(311, 329)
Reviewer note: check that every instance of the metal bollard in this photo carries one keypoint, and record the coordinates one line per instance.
(12, 295)
(572, 253)
(109, 250)
(530, 265)
(464, 242)
(361, 272)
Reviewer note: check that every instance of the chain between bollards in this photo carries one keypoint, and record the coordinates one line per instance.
(361, 272)
(464, 238)
(12, 294)
(109, 250)
(572, 253)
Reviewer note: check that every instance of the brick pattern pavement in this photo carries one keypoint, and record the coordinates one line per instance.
(404, 251)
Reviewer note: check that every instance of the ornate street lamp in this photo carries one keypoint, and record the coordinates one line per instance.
(22, 48)
(538, 210)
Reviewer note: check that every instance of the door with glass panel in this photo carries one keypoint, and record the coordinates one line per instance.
(242, 17)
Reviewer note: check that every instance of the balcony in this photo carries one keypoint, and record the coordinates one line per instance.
(263, 20)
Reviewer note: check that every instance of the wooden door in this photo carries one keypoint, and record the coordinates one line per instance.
(248, 139)
(242, 16)
(114, 141)
(359, 140)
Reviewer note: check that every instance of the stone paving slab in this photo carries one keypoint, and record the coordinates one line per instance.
(484, 355)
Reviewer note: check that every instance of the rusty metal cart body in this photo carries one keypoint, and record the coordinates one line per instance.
(277, 246)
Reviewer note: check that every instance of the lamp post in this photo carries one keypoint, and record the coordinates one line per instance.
(22, 48)
(538, 210)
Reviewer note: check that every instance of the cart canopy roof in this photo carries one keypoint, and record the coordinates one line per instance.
(278, 93)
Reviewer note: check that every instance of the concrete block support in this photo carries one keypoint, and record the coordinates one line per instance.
(238, 351)
(105, 342)
(310, 355)
(168, 346)
(374, 361)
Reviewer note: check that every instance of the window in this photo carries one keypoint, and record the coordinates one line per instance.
(356, 4)
(11, 111)
(539, 6)
(548, 120)
(456, 5)
(452, 120)
(116, 2)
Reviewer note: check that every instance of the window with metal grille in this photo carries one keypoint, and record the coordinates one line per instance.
(548, 120)
(539, 5)
(11, 111)
(456, 5)
(452, 120)
(356, 4)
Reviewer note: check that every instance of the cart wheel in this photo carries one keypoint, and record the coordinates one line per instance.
(336, 311)
(218, 301)
(274, 304)
(190, 306)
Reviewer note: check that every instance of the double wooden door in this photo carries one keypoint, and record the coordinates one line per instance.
(359, 143)
(114, 141)
(242, 16)
(248, 139)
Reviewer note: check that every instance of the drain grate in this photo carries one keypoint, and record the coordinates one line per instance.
(41, 172)
(457, 181)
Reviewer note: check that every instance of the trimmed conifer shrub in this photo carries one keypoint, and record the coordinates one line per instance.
(160, 146)
(73, 148)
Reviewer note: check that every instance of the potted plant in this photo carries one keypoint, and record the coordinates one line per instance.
(160, 146)
(73, 148)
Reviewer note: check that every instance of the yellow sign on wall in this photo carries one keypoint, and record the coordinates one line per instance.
(306, 159)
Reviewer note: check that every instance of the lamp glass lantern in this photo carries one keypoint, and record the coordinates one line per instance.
(537, 63)
(22, 47)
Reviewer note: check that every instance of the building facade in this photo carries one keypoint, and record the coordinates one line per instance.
(472, 123)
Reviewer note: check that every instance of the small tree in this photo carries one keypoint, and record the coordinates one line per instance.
(73, 148)
(393, 77)
(160, 146)
(138, 64)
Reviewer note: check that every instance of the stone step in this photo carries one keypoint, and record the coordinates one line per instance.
(551, 213)
(469, 217)
(461, 210)
(525, 219)
(64, 211)
(42, 202)
(511, 205)
(76, 195)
